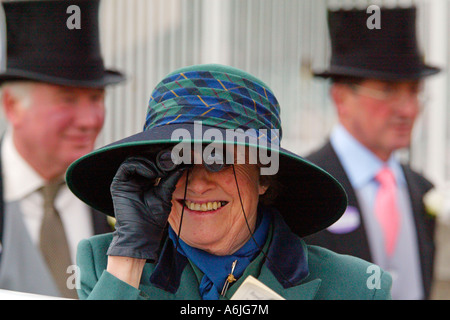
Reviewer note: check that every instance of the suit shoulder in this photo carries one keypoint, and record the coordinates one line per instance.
(347, 277)
(97, 243)
(333, 261)
(320, 154)
(326, 158)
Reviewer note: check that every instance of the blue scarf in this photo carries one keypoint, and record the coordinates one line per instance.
(217, 268)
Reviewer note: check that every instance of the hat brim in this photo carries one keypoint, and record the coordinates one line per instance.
(345, 71)
(310, 199)
(109, 77)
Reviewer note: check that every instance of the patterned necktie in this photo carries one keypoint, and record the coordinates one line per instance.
(53, 242)
(386, 209)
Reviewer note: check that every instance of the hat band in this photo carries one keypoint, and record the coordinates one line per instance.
(225, 117)
(395, 63)
(85, 70)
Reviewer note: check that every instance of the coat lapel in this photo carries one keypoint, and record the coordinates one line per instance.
(305, 290)
(424, 224)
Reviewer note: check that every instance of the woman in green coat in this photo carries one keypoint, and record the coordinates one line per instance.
(205, 200)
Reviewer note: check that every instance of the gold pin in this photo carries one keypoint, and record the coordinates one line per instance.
(230, 279)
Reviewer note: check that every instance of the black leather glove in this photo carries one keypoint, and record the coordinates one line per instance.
(141, 207)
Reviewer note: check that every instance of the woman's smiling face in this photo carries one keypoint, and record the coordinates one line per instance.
(213, 219)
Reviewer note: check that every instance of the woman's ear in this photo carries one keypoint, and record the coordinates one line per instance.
(263, 189)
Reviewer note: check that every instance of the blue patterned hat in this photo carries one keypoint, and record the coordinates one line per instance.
(201, 99)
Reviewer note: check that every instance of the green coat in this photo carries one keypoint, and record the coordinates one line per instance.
(313, 273)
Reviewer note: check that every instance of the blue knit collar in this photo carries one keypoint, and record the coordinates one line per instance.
(288, 259)
(217, 268)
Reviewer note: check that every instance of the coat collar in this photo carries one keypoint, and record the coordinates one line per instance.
(285, 270)
(287, 255)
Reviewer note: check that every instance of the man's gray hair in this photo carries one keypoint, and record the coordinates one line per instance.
(19, 89)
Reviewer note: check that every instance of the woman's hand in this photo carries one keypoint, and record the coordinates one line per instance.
(141, 208)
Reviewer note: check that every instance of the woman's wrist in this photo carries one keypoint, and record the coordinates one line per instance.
(126, 269)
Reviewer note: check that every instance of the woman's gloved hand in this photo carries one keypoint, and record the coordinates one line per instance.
(141, 207)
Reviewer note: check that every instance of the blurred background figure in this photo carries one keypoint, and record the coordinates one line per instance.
(377, 81)
(52, 94)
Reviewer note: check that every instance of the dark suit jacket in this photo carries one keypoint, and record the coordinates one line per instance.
(356, 242)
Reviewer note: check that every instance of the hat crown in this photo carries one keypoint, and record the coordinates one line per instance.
(395, 39)
(215, 95)
(55, 41)
(389, 51)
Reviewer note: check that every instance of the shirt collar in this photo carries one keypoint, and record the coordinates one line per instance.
(16, 171)
(217, 268)
(360, 172)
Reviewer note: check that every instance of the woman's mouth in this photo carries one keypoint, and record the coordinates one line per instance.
(204, 206)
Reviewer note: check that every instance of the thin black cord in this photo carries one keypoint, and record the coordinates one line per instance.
(251, 233)
(182, 210)
(179, 229)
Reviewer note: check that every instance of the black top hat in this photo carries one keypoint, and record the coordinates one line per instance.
(42, 45)
(388, 53)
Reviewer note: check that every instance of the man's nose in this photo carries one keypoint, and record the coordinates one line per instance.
(90, 114)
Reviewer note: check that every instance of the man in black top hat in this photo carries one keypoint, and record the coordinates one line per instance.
(377, 76)
(52, 92)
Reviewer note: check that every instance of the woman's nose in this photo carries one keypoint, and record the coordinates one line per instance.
(199, 179)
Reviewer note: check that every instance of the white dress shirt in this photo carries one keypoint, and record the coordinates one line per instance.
(21, 183)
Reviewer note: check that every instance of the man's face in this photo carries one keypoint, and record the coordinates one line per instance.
(380, 114)
(60, 125)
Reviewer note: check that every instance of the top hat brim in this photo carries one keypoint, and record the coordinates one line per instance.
(109, 77)
(310, 199)
(390, 52)
(346, 71)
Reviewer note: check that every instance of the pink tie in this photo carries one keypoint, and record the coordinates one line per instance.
(386, 208)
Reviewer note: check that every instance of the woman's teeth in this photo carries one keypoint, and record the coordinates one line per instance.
(205, 206)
